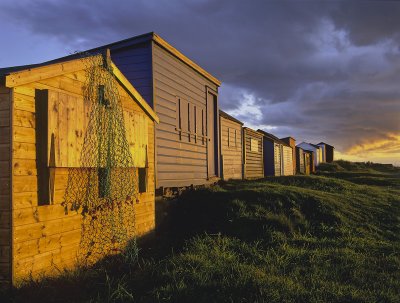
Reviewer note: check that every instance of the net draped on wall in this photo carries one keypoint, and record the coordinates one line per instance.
(104, 188)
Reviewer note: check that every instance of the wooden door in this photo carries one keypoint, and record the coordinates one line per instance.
(212, 148)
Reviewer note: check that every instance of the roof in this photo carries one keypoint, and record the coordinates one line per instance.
(323, 143)
(272, 137)
(229, 117)
(253, 131)
(289, 137)
(21, 76)
(307, 146)
(126, 43)
(315, 145)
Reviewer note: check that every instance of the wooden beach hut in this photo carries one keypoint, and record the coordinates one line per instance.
(253, 154)
(278, 156)
(231, 147)
(329, 150)
(44, 125)
(315, 149)
(292, 143)
(303, 161)
(185, 97)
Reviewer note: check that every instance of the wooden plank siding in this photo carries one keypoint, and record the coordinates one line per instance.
(180, 93)
(5, 185)
(287, 157)
(231, 149)
(45, 238)
(135, 63)
(253, 159)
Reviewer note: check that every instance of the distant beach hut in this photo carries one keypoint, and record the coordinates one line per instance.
(231, 147)
(253, 154)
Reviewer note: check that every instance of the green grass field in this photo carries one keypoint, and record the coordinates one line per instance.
(332, 237)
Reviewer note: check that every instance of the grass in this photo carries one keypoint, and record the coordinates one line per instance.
(333, 237)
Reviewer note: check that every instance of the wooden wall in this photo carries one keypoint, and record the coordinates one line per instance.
(136, 65)
(45, 237)
(5, 184)
(231, 149)
(300, 159)
(181, 151)
(253, 160)
(287, 155)
(278, 159)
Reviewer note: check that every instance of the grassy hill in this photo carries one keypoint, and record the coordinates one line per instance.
(333, 237)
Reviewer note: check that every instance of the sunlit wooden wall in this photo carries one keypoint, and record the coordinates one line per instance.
(45, 238)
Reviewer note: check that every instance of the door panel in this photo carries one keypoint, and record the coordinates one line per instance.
(211, 138)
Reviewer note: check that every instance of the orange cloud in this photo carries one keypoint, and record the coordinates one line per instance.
(384, 150)
(389, 144)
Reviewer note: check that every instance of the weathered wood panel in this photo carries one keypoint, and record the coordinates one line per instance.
(5, 184)
(136, 64)
(45, 237)
(287, 156)
(278, 159)
(180, 100)
(253, 159)
(231, 149)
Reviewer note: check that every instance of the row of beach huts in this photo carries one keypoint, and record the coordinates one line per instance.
(176, 132)
(249, 154)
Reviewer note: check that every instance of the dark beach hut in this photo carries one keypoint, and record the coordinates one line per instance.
(278, 156)
(329, 152)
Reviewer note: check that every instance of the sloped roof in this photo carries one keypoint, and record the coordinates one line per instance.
(229, 117)
(21, 76)
(272, 137)
(323, 143)
(126, 43)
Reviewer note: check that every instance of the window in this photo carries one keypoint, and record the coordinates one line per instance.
(254, 145)
(188, 121)
(195, 124)
(202, 126)
(231, 137)
(235, 137)
(179, 117)
(142, 172)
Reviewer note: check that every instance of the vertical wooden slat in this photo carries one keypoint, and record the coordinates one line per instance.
(63, 129)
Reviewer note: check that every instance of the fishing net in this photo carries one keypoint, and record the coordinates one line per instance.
(104, 188)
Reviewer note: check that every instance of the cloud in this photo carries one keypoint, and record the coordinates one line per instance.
(390, 143)
(317, 70)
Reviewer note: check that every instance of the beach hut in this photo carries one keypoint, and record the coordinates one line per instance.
(309, 159)
(231, 147)
(300, 160)
(185, 97)
(64, 135)
(292, 143)
(253, 154)
(315, 149)
(329, 151)
(303, 161)
(278, 156)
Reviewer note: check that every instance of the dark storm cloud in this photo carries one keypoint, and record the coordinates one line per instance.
(313, 69)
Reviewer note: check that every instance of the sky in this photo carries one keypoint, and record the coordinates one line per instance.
(315, 70)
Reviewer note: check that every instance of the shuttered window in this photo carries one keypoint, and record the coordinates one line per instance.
(231, 137)
(202, 126)
(254, 145)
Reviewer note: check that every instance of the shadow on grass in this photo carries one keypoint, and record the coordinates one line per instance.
(288, 239)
